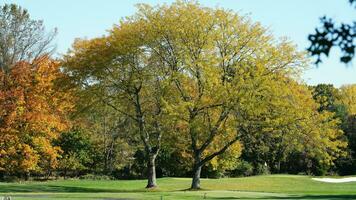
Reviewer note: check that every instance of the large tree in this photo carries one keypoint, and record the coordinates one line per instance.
(229, 73)
(219, 63)
(204, 74)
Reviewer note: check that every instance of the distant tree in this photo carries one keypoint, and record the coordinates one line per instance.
(348, 98)
(326, 95)
(329, 99)
(21, 38)
(342, 103)
(347, 165)
(332, 35)
(112, 145)
(291, 125)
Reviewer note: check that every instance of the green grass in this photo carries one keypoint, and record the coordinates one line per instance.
(257, 187)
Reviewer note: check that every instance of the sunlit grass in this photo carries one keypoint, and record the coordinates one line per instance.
(257, 187)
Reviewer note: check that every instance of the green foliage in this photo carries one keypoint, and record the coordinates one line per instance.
(288, 127)
(261, 169)
(75, 141)
(326, 95)
(171, 163)
(77, 151)
(243, 168)
(342, 103)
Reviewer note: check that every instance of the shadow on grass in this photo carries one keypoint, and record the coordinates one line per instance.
(331, 197)
(73, 189)
(41, 196)
(60, 189)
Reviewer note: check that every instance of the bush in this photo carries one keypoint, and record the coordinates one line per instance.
(262, 169)
(242, 169)
(96, 177)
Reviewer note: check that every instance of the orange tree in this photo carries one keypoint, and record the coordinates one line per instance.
(33, 112)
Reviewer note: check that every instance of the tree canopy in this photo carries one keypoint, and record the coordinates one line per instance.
(208, 75)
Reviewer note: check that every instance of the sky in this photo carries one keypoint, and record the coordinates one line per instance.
(294, 19)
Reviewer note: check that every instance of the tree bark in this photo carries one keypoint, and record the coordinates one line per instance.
(196, 178)
(151, 174)
(196, 171)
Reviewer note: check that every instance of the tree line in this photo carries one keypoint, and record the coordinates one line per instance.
(173, 90)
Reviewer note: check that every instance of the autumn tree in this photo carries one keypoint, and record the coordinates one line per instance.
(217, 66)
(33, 112)
(21, 38)
(224, 69)
(207, 75)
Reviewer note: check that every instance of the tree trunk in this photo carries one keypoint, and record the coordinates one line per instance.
(65, 173)
(279, 167)
(196, 171)
(196, 178)
(151, 179)
(27, 176)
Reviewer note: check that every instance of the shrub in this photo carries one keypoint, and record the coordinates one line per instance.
(243, 168)
(262, 169)
(96, 177)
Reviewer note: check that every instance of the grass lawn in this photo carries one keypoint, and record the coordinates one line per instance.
(257, 187)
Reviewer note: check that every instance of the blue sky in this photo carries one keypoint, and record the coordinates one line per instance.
(294, 19)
